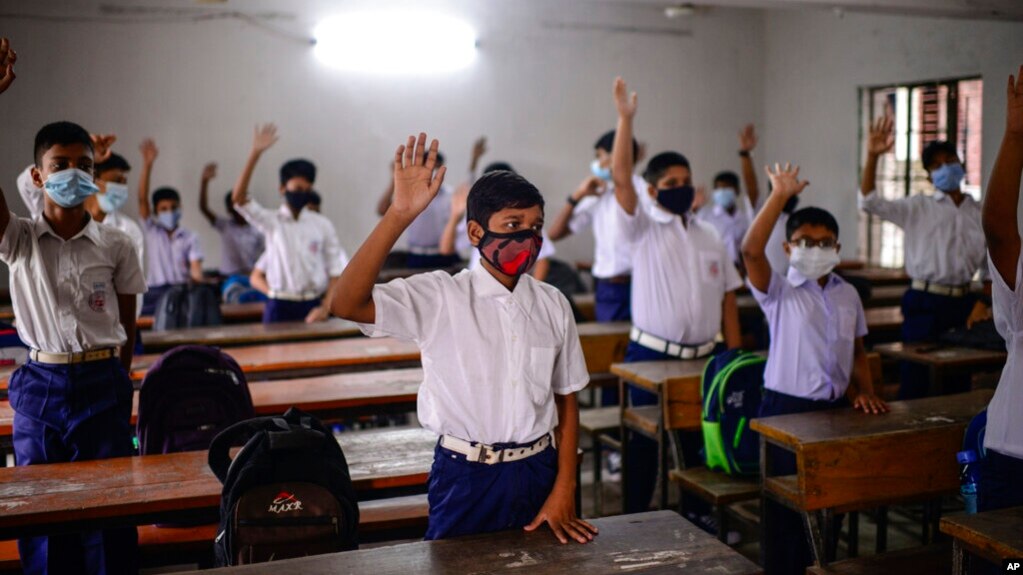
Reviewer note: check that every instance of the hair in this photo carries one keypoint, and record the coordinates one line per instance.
(229, 201)
(933, 149)
(440, 158)
(813, 217)
(728, 178)
(165, 193)
(607, 141)
(299, 168)
(499, 190)
(499, 167)
(114, 162)
(314, 198)
(660, 163)
(59, 134)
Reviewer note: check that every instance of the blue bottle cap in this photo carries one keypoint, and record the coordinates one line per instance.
(966, 457)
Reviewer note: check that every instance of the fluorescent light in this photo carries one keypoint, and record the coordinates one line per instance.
(395, 42)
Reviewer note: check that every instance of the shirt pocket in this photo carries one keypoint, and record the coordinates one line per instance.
(846, 325)
(711, 268)
(539, 373)
(96, 293)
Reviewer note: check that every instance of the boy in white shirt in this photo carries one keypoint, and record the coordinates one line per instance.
(501, 356)
(241, 244)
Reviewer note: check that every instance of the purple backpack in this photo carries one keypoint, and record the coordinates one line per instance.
(192, 393)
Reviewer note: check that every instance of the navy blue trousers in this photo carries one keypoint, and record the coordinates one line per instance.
(152, 297)
(467, 497)
(612, 302)
(785, 550)
(278, 310)
(925, 317)
(74, 413)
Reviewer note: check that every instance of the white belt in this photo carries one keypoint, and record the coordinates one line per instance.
(481, 453)
(282, 295)
(671, 348)
(74, 356)
(424, 251)
(938, 289)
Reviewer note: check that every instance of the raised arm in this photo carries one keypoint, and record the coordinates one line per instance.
(785, 183)
(560, 228)
(622, 162)
(415, 186)
(879, 142)
(208, 173)
(149, 154)
(7, 59)
(385, 199)
(263, 137)
(479, 148)
(1002, 198)
(448, 241)
(747, 143)
(101, 146)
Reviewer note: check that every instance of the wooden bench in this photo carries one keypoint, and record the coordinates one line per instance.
(229, 312)
(595, 422)
(884, 324)
(249, 334)
(944, 361)
(934, 558)
(586, 303)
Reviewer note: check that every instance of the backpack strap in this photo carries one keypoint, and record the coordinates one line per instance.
(219, 458)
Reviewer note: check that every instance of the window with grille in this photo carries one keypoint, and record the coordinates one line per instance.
(923, 112)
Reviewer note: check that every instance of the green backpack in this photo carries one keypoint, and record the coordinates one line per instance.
(731, 390)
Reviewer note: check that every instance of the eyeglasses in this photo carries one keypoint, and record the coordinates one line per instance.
(826, 243)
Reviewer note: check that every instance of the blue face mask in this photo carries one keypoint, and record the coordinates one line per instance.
(114, 198)
(602, 173)
(676, 200)
(724, 197)
(948, 177)
(69, 188)
(169, 220)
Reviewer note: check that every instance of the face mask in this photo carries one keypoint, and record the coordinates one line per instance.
(114, 198)
(676, 200)
(948, 177)
(297, 200)
(724, 197)
(814, 263)
(513, 254)
(602, 173)
(169, 220)
(69, 188)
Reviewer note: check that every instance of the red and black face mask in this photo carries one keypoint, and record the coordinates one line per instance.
(513, 254)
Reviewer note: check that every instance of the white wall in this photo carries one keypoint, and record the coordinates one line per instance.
(815, 62)
(541, 95)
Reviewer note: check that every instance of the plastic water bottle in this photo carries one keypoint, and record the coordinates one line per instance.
(968, 478)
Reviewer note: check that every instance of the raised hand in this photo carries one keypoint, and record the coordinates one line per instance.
(209, 171)
(785, 180)
(1014, 113)
(415, 184)
(459, 200)
(699, 198)
(479, 148)
(625, 103)
(591, 186)
(264, 137)
(101, 144)
(748, 138)
(149, 151)
(881, 138)
(7, 59)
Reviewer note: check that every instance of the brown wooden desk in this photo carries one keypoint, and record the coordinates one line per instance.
(586, 303)
(229, 312)
(945, 361)
(6, 313)
(69, 497)
(886, 295)
(878, 276)
(992, 535)
(884, 324)
(848, 461)
(249, 334)
(603, 344)
(654, 542)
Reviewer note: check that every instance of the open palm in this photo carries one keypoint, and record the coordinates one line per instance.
(881, 139)
(785, 180)
(7, 59)
(415, 183)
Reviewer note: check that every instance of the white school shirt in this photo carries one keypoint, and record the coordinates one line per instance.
(612, 255)
(813, 335)
(119, 221)
(424, 232)
(492, 359)
(944, 243)
(301, 254)
(775, 250)
(170, 255)
(1004, 433)
(730, 227)
(65, 292)
(241, 246)
(680, 275)
(546, 251)
(31, 195)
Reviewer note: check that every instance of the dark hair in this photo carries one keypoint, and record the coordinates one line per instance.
(607, 142)
(498, 190)
(59, 134)
(660, 163)
(114, 162)
(314, 198)
(813, 217)
(165, 193)
(229, 201)
(728, 178)
(299, 168)
(933, 149)
(440, 158)
(499, 167)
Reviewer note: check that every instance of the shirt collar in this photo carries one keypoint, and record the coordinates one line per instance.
(797, 279)
(90, 231)
(285, 210)
(486, 285)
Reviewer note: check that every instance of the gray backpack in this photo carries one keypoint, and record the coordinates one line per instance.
(187, 306)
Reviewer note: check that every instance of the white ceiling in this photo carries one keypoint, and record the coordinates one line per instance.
(971, 9)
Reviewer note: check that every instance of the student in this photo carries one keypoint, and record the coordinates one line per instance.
(501, 356)
(1002, 472)
(303, 255)
(816, 360)
(241, 244)
(683, 289)
(73, 287)
(944, 249)
(174, 253)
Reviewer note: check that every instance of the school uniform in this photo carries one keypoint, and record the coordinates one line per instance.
(775, 249)
(72, 400)
(492, 361)
(945, 247)
(731, 227)
(169, 260)
(423, 234)
(809, 367)
(302, 254)
(680, 276)
(241, 245)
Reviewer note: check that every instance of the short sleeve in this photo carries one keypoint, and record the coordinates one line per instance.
(894, 211)
(406, 307)
(194, 247)
(767, 301)
(632, 226)
(16, 238)
(128, 278)
(261, 263)
(570, 374)
(332, 251)
(582, 215)
(861, 318)
(261, 218)
(1007, 308)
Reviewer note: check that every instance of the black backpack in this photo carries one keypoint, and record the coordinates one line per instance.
(287, 493)
(192, 393)
(187, 306)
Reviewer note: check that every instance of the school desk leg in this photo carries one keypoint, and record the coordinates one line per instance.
(662, 462)
(818, 530)
(623, 433)
(882, 530)
(854, 534)
(764, 527)
(959, 563)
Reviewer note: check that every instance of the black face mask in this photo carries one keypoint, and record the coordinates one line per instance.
(676, 200)
(297, 200)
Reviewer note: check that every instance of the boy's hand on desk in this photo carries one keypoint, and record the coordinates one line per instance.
(559, 512)
(7, 59)
(870, 403)
(415, 183)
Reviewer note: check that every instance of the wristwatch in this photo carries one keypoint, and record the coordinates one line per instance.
(574, 202)
(744, 153)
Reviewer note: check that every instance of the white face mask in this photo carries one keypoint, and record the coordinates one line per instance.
(814, 263)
